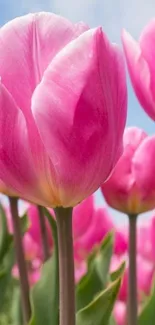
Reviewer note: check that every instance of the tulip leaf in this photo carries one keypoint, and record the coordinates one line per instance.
(16, 310)
(96, 277)
(118, 273)
(5, 237)
(5, 275)
(112, 321)
(45, 293)
(87, 288)
(98, 312)
(103, 258)
(147, 315)
(24, 223)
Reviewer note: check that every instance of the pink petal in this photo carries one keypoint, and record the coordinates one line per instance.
(120, 312)
(4, 189)
(147, 41)
(120, 190)
(76, 109)
(27, 46)
(101, 224)
(16, 166)
(34, 229)
(144, 170)
(82, 216)
(139, 73)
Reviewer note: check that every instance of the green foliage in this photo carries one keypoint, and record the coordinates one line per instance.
(44, 297)
(97, 276)
(95, 293)
(98, 312)
(147, 315)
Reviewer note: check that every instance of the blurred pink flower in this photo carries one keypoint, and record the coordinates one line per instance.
(120, 312)
(145, 272)
(131, 187)
(146, 234)
(63, 104)
(99, 226)
(34, 229)
(140, 62)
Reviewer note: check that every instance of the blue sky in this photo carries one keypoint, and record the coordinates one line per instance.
(111, 14)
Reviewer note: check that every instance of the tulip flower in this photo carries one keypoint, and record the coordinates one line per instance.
(145, 272)
(99, 226)
(146, 234)
(6, 190)
(140, 62)
(33, 260)
(120, 313)
(131, 187)
(34, 229)
(62, 108)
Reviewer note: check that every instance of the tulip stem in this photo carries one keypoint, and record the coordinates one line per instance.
(23, 277)
(132, 284)
(43, 230)
(66, 266)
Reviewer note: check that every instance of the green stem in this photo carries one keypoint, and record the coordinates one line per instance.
(132, 285)
(43, 230)
(66, 266)
(23, 277)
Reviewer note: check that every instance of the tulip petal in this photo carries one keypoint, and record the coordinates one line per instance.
(75, 108)
(139, 72)
(82, 216)
(145, 172)
(27, 45)
(16, 168)
(119, 188)
(147, 41)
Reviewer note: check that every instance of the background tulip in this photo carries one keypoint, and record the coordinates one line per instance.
(101, 223)
(63, 104)
(140, 62)
(130, 188)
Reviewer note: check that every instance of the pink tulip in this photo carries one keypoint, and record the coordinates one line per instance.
(80, 270)
(131, 187)
(120, 311)
(140, 61)
(6, 190)
(145, 272)
(100, 225)
(34, 229)
(83, 216)
(146, 234)
(63, 105)
(144, 231)
(33, 260)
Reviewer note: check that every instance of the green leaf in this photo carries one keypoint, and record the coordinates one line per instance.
(98, 312)
(118, 273)
(112, 321)
(96, 277)
(87, 288)
(147, 315)
(45, 294)
(5, 274)
(24, 223)
(16, 308)
(103, 258)
(5, 237)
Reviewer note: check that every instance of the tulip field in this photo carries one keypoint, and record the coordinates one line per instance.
(65, 260)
